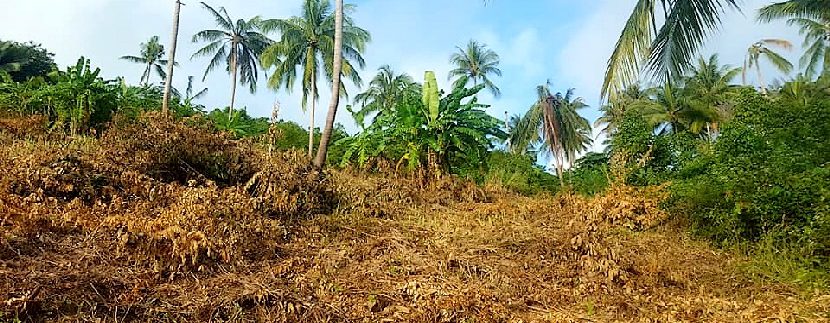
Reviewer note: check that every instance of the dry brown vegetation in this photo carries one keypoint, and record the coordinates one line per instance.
(164, 221)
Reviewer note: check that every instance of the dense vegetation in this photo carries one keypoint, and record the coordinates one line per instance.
(744, 168)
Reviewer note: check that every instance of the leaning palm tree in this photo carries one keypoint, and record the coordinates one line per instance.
(762, 47)
(152, 57)
(665, 51)
(476, 63)
(237, 44)
(307, 42)
(385, 91)
(553, 124)
(337, 69)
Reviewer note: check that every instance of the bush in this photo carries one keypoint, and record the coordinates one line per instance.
(766, 177)
(519, 173)
(648, 158)
(590, 174)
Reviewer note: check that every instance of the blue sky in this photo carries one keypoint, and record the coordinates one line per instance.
(565, 41)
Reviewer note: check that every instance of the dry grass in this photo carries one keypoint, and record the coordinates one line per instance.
(280, 242)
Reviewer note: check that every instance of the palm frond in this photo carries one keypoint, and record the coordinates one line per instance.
(634, 44)
(813, 9)
(781, 63)
(684, 31)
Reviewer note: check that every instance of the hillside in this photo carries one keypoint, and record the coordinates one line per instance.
(165, 221)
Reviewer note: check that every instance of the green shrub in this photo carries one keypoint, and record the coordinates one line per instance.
(519, 173)
(766, 178)
(590, 174)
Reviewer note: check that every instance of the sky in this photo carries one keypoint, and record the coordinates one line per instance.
(567, 42)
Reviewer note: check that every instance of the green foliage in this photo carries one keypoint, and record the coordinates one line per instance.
(766, 176)
(22, 61)
(78, 99)
(430, 98)
(519, 173)
(240, 124)
(290, 136)
(385, 90)
(590, 174)
(649, 157)
(237, 45)
(432, 133)
(306, 47)
(133, 100)
(666, 50)
(816, 58)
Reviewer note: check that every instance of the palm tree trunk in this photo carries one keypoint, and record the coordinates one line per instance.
(233, 81)
(311, 117)
(337, 68)
(555, 145)
(145, 78)
(761, 79)
(559, 170)
(171, 58)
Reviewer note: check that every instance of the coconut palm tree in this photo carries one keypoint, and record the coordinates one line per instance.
(554, 124)
(577, 137)
(672, 109)
(307, 42)
(152, 57)
(174, 40)
(237, 44)
(614, 111)
(385, 91)
(709, 86)
(763, 47)
(665, 51)
(666, 109)
(476, 63)
(813, 18)
(337, 69)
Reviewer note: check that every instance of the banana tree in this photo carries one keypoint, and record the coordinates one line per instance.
(431, 134)
(81, 97)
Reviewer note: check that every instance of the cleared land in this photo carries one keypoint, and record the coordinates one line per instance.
(163, 222)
